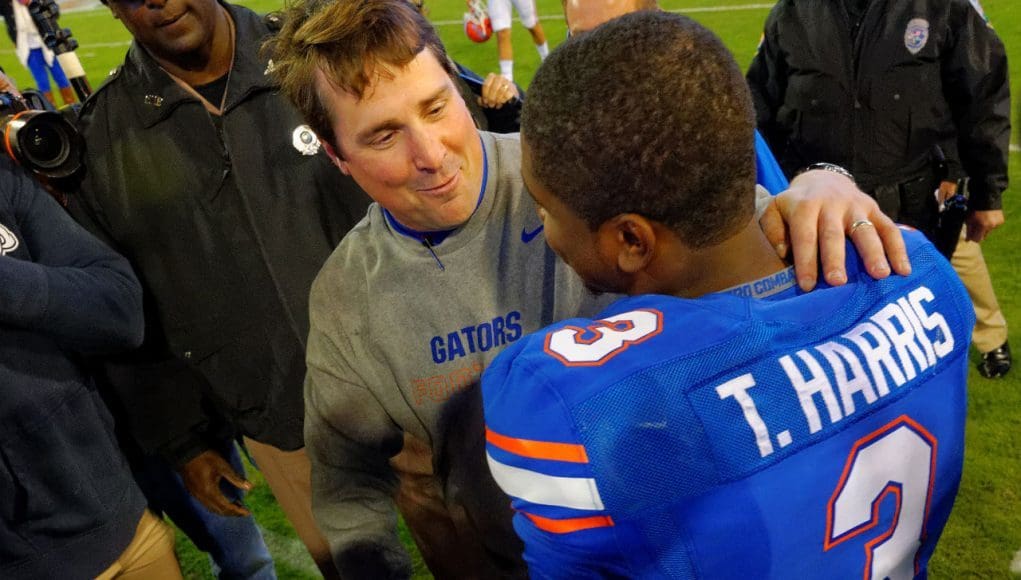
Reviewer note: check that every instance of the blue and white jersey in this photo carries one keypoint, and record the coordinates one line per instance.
(806, 435)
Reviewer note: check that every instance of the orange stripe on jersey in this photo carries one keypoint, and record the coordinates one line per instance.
(538, 449)
(569, 525)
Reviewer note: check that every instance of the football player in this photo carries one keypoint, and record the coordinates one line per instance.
(719, 422)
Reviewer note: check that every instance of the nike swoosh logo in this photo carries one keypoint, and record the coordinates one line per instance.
(528, 236)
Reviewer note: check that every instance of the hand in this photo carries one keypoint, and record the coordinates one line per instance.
(497, 91)
(202, 477)
(980, 223)
(812, 218)
(947, 189)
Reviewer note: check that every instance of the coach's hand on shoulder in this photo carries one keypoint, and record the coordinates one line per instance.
(812, 219)
(202, 477)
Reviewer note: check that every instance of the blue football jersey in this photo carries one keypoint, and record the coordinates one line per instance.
(806, 435)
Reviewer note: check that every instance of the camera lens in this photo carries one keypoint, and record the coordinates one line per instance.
(42, 141)
(45, 144)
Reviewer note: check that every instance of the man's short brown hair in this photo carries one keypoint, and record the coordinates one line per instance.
(647, 114)
(349, 43)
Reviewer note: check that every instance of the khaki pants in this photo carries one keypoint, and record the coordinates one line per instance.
(149, 556)
(289, 476)
(990, 325)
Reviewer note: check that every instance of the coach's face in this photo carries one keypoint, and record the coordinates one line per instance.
(584, 15)
(169, 28)
(410, 143)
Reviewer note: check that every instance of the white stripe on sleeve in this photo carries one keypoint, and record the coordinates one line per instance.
(570, 492)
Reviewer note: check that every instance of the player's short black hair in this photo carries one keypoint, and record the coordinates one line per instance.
(646, 114)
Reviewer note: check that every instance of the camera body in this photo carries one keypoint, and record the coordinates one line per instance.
(38, 137)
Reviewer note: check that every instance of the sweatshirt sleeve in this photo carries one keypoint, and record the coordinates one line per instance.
(73, 287)
(350, 439)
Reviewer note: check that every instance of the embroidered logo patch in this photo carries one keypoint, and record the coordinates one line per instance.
(8, 241)
(916, 35)
(304, 140)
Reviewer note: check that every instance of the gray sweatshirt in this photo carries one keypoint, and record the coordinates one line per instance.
(397, 346)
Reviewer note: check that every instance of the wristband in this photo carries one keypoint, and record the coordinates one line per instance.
(832, 167)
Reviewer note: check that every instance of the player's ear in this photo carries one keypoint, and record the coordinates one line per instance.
(635, 241)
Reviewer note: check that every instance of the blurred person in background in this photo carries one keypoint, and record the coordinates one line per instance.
(528, 15)
(494, 101)
(879, 88)
(69, 507)
(36, 57)
(208, 181)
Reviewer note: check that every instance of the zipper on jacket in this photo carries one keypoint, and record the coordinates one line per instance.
(854, 53)
(428, 246)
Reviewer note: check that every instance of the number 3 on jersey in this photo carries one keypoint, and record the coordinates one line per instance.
(898, 459)
(604, 339)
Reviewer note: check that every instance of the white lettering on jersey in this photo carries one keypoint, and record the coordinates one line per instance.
(850, 374)
(877, 355)
(738, 388)
(817, 383)
(934, 321)
(901, 340)
(902, 336)
(916, 324)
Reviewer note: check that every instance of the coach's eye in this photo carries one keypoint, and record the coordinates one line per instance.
(384, 140)
(437, 110)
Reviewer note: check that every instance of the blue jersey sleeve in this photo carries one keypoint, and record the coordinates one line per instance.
(767, 171)
(537, 459)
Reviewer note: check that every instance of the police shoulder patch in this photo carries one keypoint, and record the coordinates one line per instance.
(916, 35)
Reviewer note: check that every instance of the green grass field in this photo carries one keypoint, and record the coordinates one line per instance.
(984, 532)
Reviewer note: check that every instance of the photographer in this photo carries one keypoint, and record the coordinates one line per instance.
(210, 184)
(68, 505)
(874, 87)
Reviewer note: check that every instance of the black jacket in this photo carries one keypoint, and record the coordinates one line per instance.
(227, 224)
(506, 119)
(916, 73)
(68, 503)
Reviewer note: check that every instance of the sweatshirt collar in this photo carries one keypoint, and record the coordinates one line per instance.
(434, 238)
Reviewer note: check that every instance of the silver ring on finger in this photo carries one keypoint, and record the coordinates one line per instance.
(860, 224)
